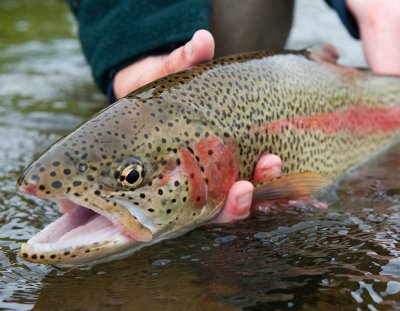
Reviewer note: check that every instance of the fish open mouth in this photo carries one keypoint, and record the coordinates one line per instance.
(79, 235)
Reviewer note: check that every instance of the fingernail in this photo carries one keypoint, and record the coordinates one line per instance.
(273, 171)
(188, 49)
(244, 200)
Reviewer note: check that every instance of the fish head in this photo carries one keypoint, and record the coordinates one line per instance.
(123, 182)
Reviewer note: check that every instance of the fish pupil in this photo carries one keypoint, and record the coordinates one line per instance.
(132, 177)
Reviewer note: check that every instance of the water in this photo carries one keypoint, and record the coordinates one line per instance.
(297, 258)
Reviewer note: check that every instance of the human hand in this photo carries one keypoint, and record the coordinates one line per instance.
(200, 48)
(379, 24)
(238, 203)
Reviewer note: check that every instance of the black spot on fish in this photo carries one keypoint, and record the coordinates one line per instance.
(56, 163)
(56, 184)
(190, 150)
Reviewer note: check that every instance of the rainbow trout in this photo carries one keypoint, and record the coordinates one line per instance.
(160, 161)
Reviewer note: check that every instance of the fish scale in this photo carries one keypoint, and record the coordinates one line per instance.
(183, 140)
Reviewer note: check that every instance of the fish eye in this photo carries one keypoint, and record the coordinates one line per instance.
(131, 176)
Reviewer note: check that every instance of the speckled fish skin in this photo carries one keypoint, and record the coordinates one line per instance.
(196, 132)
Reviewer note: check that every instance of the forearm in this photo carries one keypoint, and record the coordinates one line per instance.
(379, 23)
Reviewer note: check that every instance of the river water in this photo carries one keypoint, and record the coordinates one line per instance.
(344, 257)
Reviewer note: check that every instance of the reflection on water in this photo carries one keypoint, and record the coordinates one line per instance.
(345, 256)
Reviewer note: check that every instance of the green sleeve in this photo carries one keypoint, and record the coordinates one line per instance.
(114, 33)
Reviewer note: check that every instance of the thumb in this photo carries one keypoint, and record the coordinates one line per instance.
(199, 49)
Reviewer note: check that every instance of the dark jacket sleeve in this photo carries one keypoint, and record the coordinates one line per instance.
(114, 33)
(346, 17)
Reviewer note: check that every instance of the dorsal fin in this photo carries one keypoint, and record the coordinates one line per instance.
(324, 53)
(290, 186)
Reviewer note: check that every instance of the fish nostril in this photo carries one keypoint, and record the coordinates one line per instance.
(27, 188)
(28, 183)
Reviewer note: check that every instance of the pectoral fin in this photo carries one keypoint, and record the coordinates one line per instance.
(290, 186)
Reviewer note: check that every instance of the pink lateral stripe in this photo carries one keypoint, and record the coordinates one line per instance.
(357, 120)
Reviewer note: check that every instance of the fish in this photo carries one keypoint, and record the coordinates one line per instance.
(160, 161)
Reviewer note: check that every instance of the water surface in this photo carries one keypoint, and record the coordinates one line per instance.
(293, 258)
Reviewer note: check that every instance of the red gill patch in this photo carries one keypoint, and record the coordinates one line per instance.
(197, 183)
(212, 169)
(167, 172)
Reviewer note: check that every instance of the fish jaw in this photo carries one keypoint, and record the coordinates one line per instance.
(80, 236)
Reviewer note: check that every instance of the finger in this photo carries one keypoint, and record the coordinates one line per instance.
(269, 166)
(199, 49)
(237, 204)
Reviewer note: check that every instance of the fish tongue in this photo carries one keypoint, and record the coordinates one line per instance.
(98, 229)
(75, 217)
